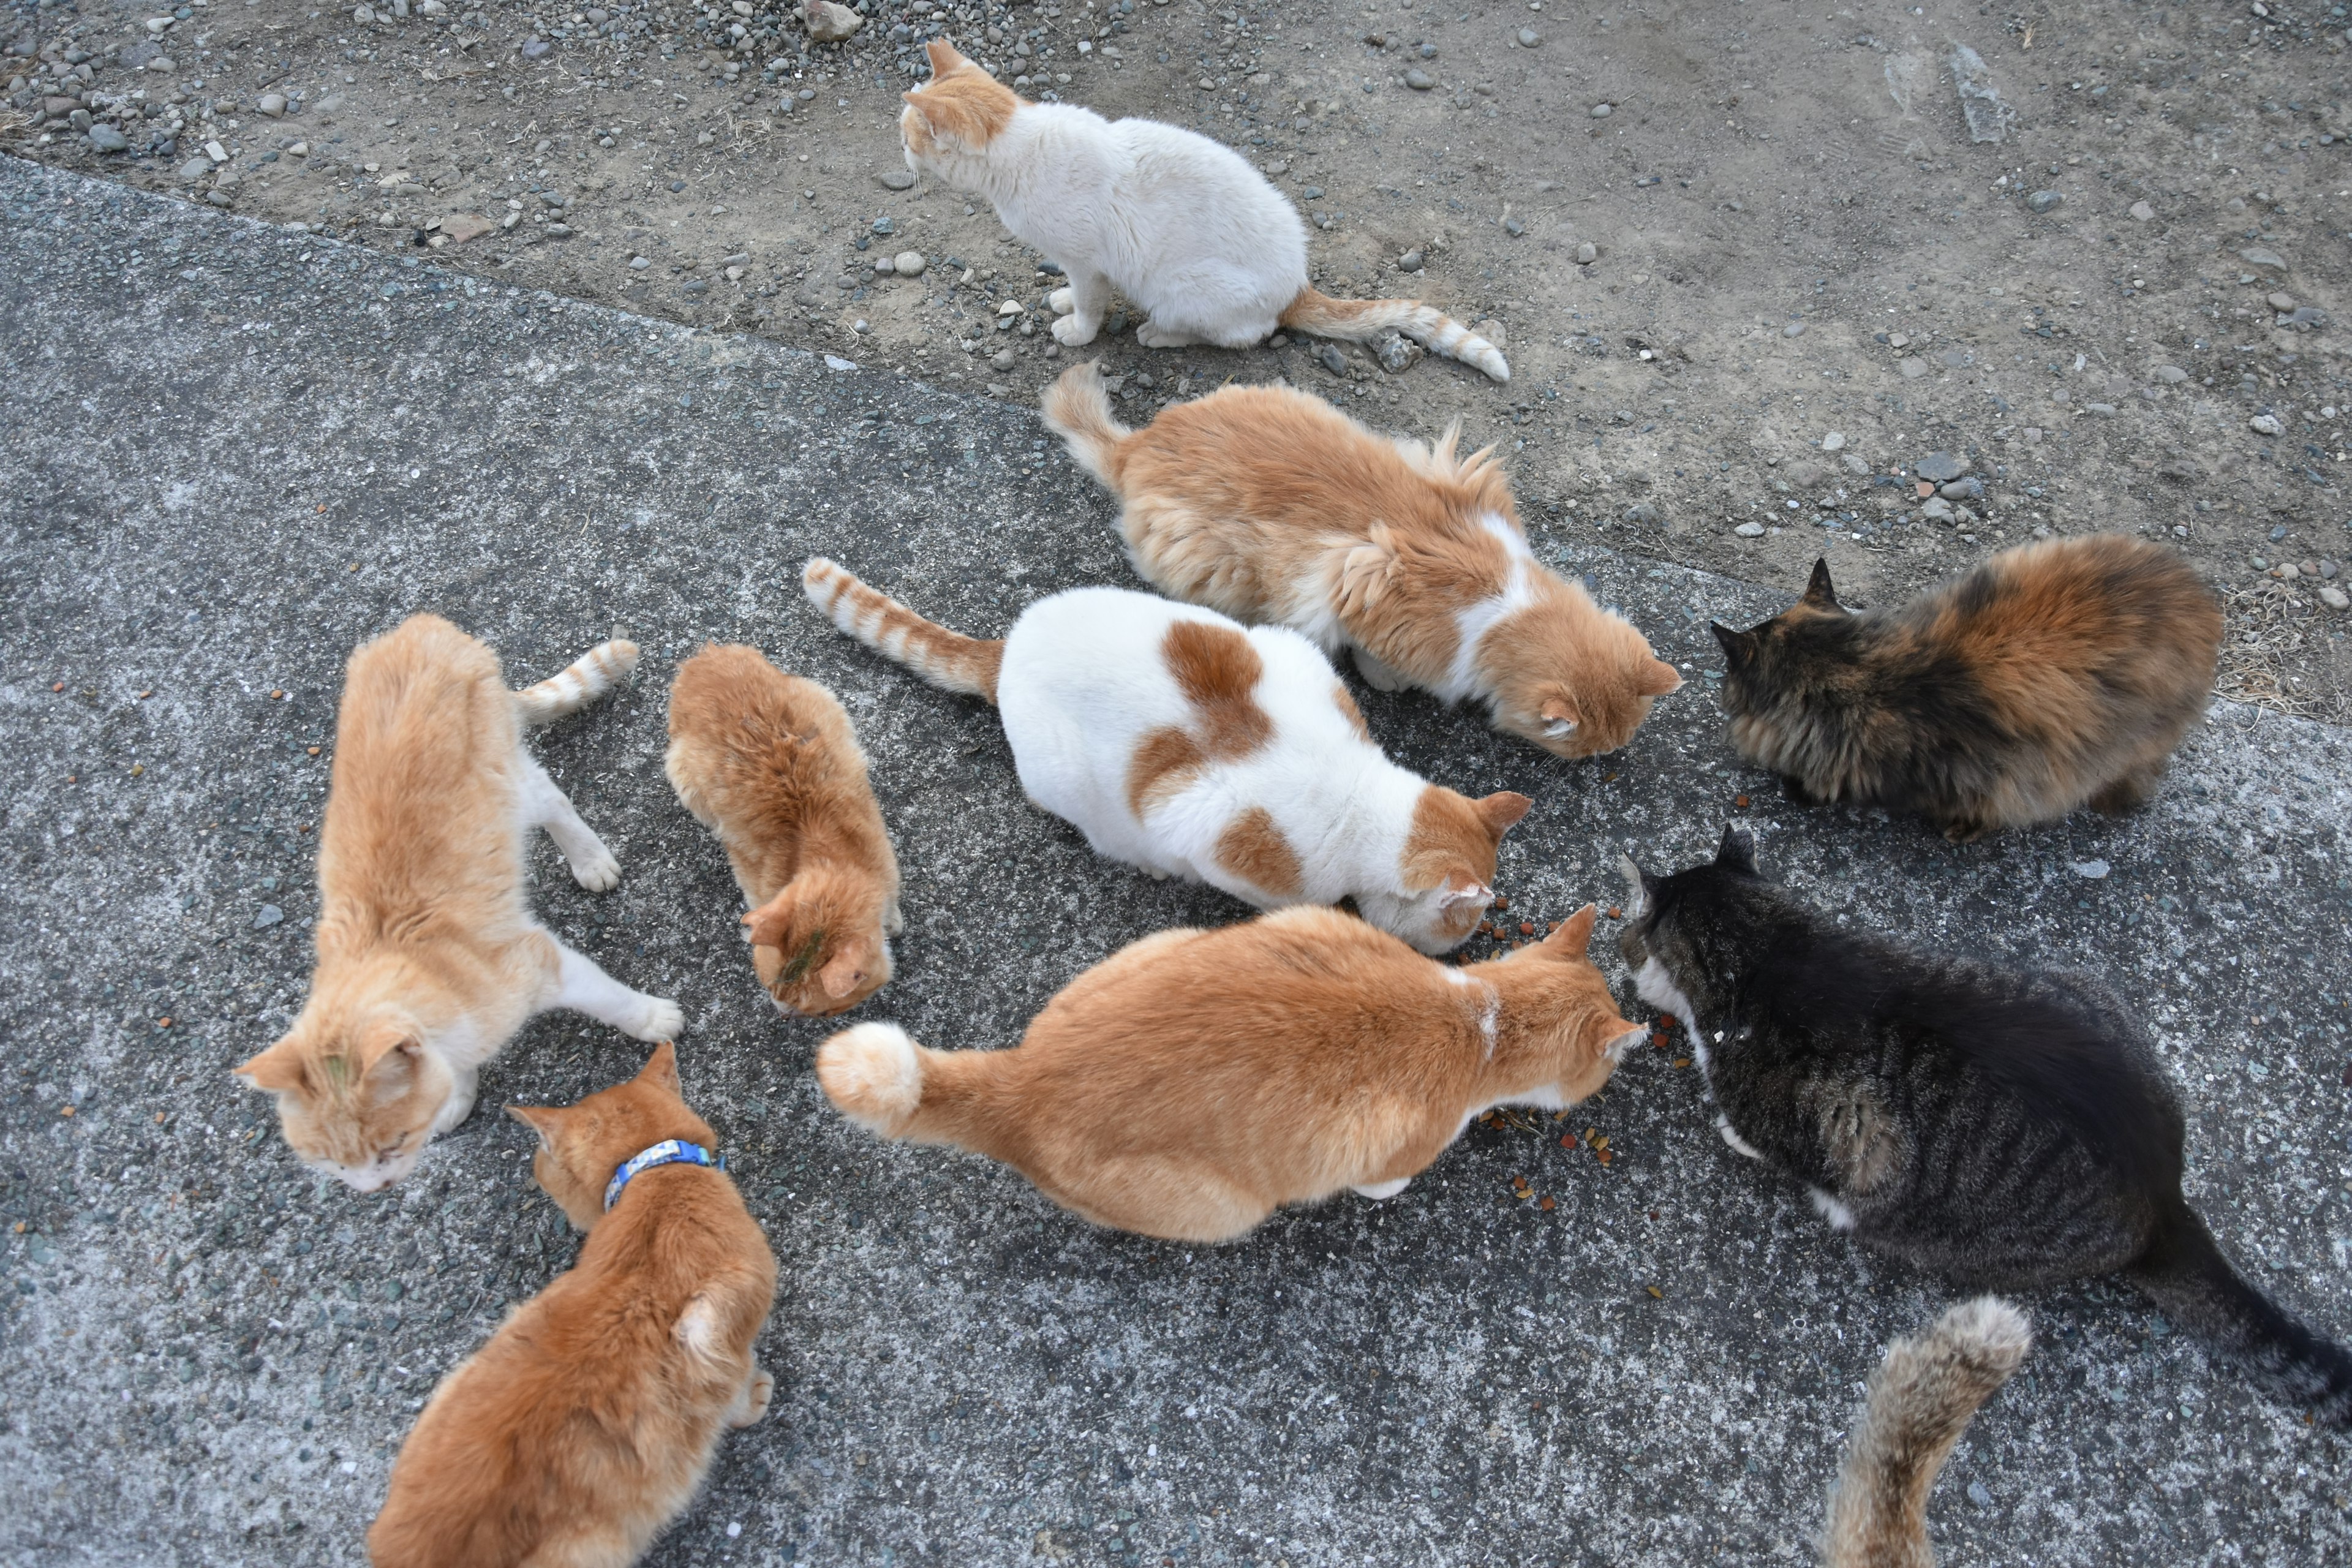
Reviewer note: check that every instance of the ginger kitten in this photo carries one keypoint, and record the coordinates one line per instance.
(1181, 225)
(770, 764)
(2054, 675)
(588, 1421)
(428, 957)
(1195, 1081)
(2008, 1129)
(1177, 740)
(1268, 504)
(1922, 1398)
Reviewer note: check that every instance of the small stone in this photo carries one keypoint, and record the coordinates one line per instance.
(1967, 488)
(1002, 359)
(1833, 442)
(1897, 340)
(1529, 38)
(533, 48)
(2171, 373)
(1010, 307)
(2286, 571)
(1600, 111)
(2141, 212)
(363, 14)
(1587, 253)
(897, 180)
(1396, 352)
(463, 226)
(1642, 513)
(1793, 329)
(2280, 301)
(1411, 261)
(267, 915)
(1912, 366)
(215, 152)
(1333, 359)
(1750, 530)
(1938, 468)
(435, 8)
(2269, 260)
(2266, 425)
(2045, 201)
(638, 263)
(2334, 598)
(197, 167)
(1853, 464)
(272, 104)
(107, 138)
(1419, 79)
(885, 226)
(1515, 228)
(1935, 508)
(2092, 871)
(829, 23)
(909, 263)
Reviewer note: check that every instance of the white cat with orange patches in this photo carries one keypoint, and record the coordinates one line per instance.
(1181, 225)
(1177, 740)
(1270, 505)
(1195, 1081)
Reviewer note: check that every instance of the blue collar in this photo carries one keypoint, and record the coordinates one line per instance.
(668, 1151)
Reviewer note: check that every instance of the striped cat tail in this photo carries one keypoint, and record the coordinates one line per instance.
(1360, 320)
(880, 1078)
(1077, 409)
(579, 683)
(2185, 1273)
(945, 659)
(1922, 1398)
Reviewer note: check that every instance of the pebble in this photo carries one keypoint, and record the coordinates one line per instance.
(1396, 352)
(639, 263)
(2091, 870)
(2280, 301)
(1529, 38)
(884, 226)
(197, 167)
(2045, 201)
(1912, 366)
(1419, 79)
(2334, 598)
(1642, 513)
(1833, 442)
(1600, 110)
(1793, 329)
(1002, 359)
(1938, 509)
(1750, 530)
(1411, 261)
(267, 915)
(2265, 259)
(909, 263)
(107, 138)
(1587, 253)
(1939, 468)
(1968, 488)
(1333, 359)
(2141, 212)
(893, 179)
(272, 104)
(2266, 425)
(2171, 373)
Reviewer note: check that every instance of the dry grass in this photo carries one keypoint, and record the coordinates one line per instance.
(15, 120)
(2272, 654)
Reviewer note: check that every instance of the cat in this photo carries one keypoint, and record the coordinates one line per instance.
(770, 764)
(1195, 1081)
(1921, 1399)
(1179, 741)
(1181, 225)
(428, 957)
(2011, 1131)
(588, 1421)
(2052, 674)
(1271, 505)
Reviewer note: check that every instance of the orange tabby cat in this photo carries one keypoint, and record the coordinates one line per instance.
(1195, 1081)
(588, 1420)
(770, 764)
(1271, 505)
(429, 959)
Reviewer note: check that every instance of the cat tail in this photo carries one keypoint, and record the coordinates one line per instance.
(2186, 1274)
(1921, 1399)
(1077, 409)
(1360, 320)
(880, 1078)
(945, 659)
(579, 683)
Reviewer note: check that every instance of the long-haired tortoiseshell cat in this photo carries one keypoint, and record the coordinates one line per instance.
(770, 763)
(1181, 225)
(1271, 505)
(587, 1422)
(1195, 1081)
(1177, 740)
(428, 956)
(2053, 675)
(2008, 1130)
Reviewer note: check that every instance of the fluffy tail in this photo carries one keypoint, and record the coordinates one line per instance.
(578, 684)
(1359, 321)
(894, 1089)
(2186, 1274)
(1078, 411)
(1921, 1398)
(943, 657)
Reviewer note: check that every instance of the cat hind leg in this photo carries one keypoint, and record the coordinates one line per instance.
(582, 987)
(593, 866)
(2122, 796)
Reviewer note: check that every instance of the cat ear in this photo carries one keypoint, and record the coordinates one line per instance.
(1575, 933)
(1819, 591)
(1622, 1036)
(388, 1063)
(772, 922)
(1471, 891)
(1638, 882)
(1737, 850)
(1500, 810)
(1558, 715)
(915, 107)
(661, 1068)
(847, 971)
(544, 1120)
(1658, 679)
(943, 57)
(1737, 645)
(278, 1070)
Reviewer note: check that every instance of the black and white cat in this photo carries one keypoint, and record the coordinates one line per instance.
(2006, 1130)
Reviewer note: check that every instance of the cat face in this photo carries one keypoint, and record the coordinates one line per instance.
(1687, 930)
(1583, 685)
(818, 946)
(580, 1146)
(1448, 868)
(954, 115)
(1795, 654)
(358, 1102)
(1588, 1037)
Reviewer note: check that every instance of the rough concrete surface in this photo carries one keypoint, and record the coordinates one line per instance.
(231, 452)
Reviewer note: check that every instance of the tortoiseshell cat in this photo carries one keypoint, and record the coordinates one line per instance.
(2007, 1130)
(2051, 677)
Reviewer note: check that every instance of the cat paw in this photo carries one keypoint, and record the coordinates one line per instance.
(1075, 330)
(1380, 1191)
(660, 1019)
(1062, 302)
(1153, 337)
(756, 1394)
(596, 870)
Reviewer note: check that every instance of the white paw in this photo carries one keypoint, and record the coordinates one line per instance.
(1062, 302)
(596, 870)
(1151, 337)
(1075, 330)
(1380, 1191)
(660, 1019)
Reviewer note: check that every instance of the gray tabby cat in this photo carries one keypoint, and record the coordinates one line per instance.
(2010, 1131)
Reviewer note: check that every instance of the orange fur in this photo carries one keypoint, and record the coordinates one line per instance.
(961, 108)
(770, 763)
(945, 659)
(588, 1420)
(1270, 505)
(1197, 1081)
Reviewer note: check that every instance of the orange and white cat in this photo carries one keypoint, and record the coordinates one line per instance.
(1181, 225)
(1177, 740)
(1195, 1081)
(428, 957)
(770, 763)
(588, 1421)
(1272, 506)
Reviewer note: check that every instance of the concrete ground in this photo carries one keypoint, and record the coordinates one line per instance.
(232, 451)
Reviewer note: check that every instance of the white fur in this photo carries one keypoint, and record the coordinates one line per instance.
(1084, 681)
(1840, 1216)
(1182, 227)
(1473, 622)
(1378, 1191)
(1739, 1145)
(1653, 985)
